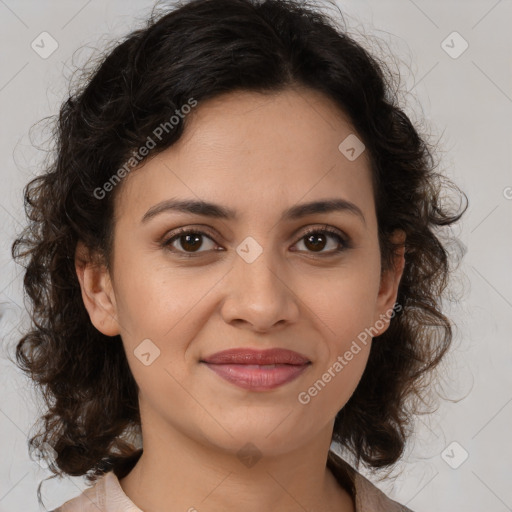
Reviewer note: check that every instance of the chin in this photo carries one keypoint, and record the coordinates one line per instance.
(269, 439)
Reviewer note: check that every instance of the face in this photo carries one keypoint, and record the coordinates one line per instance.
(269, 276)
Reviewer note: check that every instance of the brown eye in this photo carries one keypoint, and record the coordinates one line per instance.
(189, 241)
(317, 240)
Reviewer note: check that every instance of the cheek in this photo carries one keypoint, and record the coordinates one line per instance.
(156, 300)
(344, 302)
(335, 380)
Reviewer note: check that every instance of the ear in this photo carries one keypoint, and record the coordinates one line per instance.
(97, 291)
(390, 280)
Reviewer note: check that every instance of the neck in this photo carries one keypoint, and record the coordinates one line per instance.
(192, 476)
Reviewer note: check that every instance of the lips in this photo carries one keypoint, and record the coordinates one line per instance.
(257, 370)
(259, 357)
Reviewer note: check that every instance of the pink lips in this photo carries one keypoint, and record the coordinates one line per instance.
(257, 370)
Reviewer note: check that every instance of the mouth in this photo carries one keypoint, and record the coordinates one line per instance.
(257, 370)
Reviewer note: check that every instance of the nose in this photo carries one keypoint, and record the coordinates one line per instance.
(259, 294)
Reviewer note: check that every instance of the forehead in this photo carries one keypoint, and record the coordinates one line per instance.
(247, 149)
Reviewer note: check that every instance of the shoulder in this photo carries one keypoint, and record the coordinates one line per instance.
(91, 500)
(106, 495)
(368, 497)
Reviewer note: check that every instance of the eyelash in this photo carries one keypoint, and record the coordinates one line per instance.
(175, 235)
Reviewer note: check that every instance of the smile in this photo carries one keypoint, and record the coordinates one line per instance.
(258, 377)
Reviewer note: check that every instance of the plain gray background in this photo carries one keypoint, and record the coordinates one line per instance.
(464, 100)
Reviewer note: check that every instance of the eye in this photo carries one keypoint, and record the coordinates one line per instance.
(316, 239)
(190, 240)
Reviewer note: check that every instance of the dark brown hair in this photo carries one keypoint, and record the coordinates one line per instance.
(201, 50)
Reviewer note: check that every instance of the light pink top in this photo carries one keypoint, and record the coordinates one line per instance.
(107, 495)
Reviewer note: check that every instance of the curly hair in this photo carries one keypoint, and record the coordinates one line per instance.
(200, 50)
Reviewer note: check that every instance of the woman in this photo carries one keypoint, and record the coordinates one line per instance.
(234, 261)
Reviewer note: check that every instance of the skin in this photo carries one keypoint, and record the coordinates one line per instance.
(257, 154)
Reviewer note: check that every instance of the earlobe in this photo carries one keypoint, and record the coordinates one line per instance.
(97, 292)
(390, 281)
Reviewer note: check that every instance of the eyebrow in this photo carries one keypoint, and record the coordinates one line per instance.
(213, 210)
